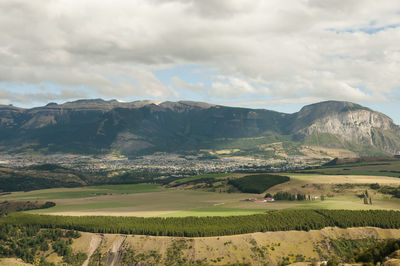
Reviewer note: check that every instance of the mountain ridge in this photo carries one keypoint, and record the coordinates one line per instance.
(141, 127)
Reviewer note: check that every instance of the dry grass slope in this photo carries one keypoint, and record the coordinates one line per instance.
(254, 249)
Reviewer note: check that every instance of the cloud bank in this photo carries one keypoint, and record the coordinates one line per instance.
(245, 50)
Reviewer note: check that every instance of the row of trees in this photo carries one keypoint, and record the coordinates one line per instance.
(212, 226)
(287, 196)
(394, 191)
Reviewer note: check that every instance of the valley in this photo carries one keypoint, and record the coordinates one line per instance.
(222, 226)
(192, 183)
(211, 194)
(199, 133)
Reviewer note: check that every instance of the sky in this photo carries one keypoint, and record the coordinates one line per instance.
(274, 54)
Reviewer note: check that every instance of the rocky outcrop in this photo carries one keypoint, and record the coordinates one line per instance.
(351, 123)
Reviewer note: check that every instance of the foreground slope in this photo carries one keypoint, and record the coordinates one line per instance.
(93, 126)
(251, 249)
(272, 248)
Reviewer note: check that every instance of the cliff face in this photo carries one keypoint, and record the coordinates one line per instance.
(351, 123)
(92, 126)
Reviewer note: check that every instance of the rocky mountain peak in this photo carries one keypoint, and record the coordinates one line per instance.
(328, 108)
(349, 122)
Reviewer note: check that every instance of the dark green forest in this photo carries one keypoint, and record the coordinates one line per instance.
(257, 183)
(286, 196)
(379, 252)
(368, 251)
(281, 220)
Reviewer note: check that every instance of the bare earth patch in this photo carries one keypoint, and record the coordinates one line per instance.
(318, 152)
(111, 213)
(12, 262)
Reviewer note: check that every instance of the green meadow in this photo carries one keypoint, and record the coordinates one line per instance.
(81, 192)
(151, 200)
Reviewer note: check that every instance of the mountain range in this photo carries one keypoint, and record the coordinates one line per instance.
(145, 127)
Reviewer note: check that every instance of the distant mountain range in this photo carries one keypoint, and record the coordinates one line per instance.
(144, 127)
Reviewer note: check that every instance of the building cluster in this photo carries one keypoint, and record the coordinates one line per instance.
(261, 200)
(160, 163)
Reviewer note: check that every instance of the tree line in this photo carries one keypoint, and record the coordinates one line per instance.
(257, 183)
(287, 196)
(277, 220)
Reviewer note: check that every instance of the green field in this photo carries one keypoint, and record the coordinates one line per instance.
(128, 200)
(82, 192)
(82, 207)
(207, 195)
(149, 200)
(383, 167)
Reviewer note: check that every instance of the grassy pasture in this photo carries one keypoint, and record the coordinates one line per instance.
(342, 179)
(149, 200)
(389, 168)
(82, 207)
(130, 200)
(82, 192)
(317, 184)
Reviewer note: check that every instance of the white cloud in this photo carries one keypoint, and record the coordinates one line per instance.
(309, 49)
(196, 88)
(233, 87)
(28, 98)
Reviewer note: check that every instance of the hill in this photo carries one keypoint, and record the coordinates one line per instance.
(272, 248)
(31, 178)
(144, 127)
